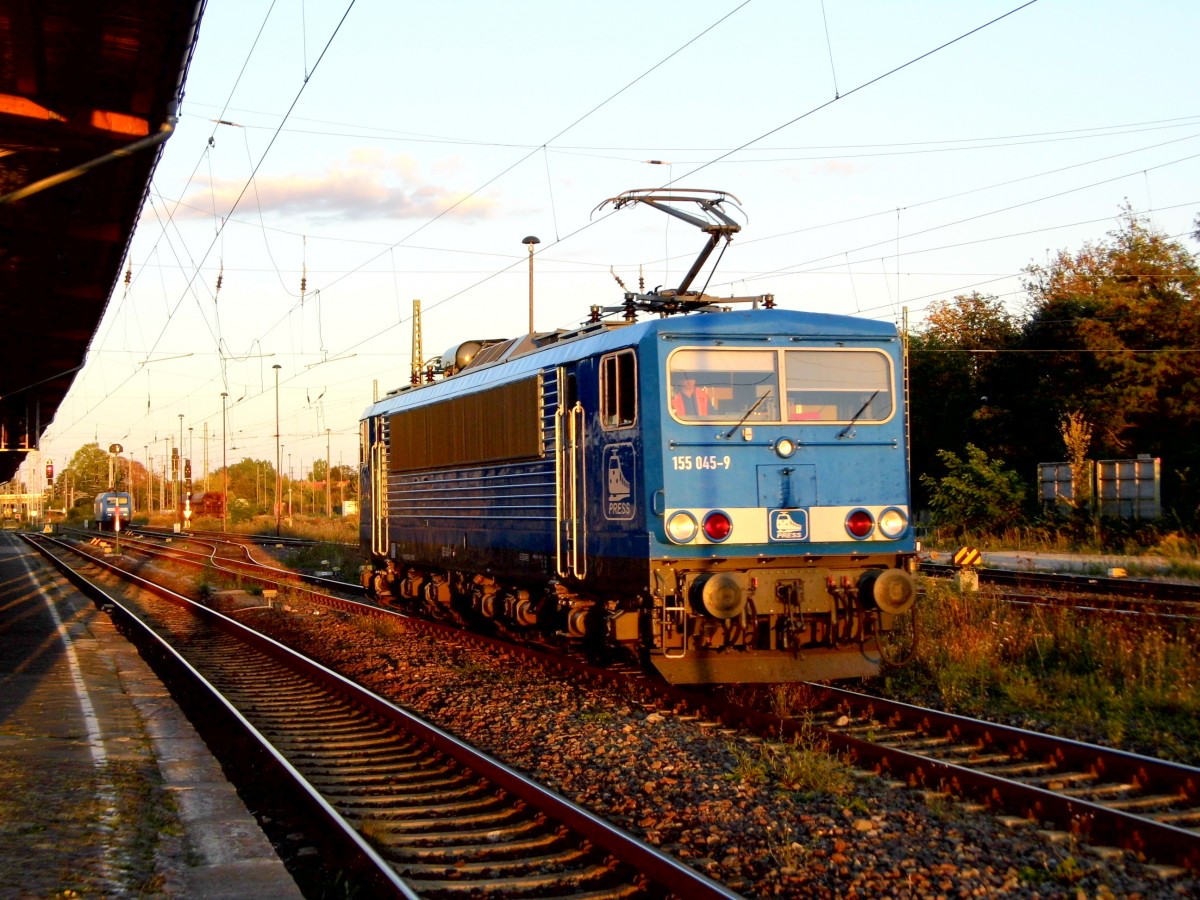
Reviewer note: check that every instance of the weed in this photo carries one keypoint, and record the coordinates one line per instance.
(808, 765)
(374, 832)
(941, 806)
(787, 852)
(786, 700)
(594, 715)
(1112, 679)
(1067, 871)
(749, 765)
(805, 765)
(385, 627)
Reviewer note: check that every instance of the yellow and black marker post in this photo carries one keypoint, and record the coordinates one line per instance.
(968, 560)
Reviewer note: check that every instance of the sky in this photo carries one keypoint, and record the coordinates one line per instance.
(335, 161)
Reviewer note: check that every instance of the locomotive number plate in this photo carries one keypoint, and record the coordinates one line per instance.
(686, 462)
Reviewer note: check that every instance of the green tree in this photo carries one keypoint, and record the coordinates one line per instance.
(955, 368)
(345, 480)
(252, 481)
(1112, 333)
(976, 493)
(87, 473)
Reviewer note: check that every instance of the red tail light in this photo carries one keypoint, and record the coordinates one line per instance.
(859, 523)
(717, 526)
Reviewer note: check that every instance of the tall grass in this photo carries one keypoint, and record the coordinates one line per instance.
(1083, 536)
(1120, 680)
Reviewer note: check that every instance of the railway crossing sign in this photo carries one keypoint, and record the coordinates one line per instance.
(967, 556)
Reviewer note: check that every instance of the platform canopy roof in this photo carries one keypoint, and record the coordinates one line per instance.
(89, 91)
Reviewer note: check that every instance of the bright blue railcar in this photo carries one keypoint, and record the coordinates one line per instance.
(111, 510)
(723, 494)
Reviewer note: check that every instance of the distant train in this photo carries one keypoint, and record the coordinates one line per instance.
(112, 510)
(722, 496)
(208, 503)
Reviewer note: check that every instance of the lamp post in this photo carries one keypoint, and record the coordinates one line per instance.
(224, 465)
(278, 459)
(114, 456)
(531, 241)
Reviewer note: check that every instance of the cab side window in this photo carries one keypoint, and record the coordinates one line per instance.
(618, 390)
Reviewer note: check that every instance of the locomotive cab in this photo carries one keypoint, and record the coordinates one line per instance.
(784, 495)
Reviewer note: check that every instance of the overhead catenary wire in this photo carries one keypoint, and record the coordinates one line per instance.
(517, 261)
(488, 275)
(299, 93)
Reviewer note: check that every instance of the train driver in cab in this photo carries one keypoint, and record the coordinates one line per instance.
(686, 400)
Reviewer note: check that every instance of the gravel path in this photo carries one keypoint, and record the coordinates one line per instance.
(725, 804)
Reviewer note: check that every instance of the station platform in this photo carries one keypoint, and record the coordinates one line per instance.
(105, 788)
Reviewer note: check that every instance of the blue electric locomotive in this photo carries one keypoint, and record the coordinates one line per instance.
(112, 510)
(723, 495)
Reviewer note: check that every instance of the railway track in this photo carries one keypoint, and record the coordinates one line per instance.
(1108, 797)
(1109, 593)
(412, 810)
(260, 540)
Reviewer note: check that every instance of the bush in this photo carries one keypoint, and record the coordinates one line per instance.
(975, 494)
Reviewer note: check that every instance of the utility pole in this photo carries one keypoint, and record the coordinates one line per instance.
(224, 464)
(278, 460)
(328, 480)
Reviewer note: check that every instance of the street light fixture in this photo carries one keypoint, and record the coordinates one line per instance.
(531, 241)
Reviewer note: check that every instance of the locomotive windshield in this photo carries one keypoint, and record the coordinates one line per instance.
(723, 385)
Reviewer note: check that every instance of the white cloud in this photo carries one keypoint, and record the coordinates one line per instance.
(365, 185)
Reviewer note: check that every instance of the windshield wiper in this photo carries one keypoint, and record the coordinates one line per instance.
(742, 421)
(854, 418)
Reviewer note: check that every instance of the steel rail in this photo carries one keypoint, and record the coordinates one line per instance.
(367, 864)
(658, 867)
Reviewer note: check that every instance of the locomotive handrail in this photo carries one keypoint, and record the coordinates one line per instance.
(570, 501)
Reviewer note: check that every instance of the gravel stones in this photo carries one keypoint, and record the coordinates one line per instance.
(694, 791)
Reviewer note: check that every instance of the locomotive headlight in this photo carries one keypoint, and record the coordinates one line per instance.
(682, 527)
(892, 523)
(785, 447)
(860, 524)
